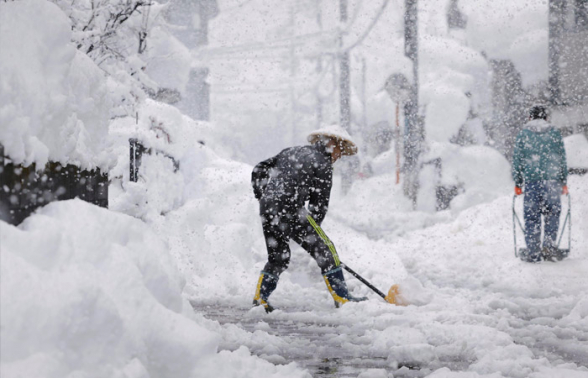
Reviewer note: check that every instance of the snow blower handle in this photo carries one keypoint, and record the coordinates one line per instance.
(375, 289)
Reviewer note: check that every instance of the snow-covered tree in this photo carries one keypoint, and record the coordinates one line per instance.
(116, 35)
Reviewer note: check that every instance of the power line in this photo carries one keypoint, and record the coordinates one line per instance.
(370, 27)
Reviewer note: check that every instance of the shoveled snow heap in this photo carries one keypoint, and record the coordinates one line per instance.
(90, 292)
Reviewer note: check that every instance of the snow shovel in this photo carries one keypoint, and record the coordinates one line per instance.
(561, 253)
(393, 294)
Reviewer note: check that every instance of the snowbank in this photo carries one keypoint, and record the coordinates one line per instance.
(90, 292)
(377, 204)
(168, 60)
(54, 103)
(85, 289)
(576, 151)
(481, 172)
(173, 138)
(507, 30)
(449, 71)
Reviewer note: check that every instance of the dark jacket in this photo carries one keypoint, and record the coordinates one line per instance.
(539, 154)
(295, 176)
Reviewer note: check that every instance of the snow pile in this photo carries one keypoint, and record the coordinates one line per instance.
(576, 151)
(163, 127)
(168, 61)
(95, 286)
(54, 103)
(132, 43)
(177, 147)
(89, 292)
(507, 30)
(377, 204)
(481, 173)
(452, 78)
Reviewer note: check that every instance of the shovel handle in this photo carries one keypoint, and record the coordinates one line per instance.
(375, 289)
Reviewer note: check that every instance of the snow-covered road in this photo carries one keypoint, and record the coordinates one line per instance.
(314, 341)
(477, 308)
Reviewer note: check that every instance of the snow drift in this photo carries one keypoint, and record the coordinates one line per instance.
(90, 292)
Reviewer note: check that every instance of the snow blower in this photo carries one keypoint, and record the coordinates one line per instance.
(394, 295)
(559, 253)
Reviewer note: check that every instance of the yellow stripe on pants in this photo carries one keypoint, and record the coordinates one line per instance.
(257, 296)
(324, 237)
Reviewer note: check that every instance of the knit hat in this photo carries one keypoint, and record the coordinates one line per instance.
(538, 112)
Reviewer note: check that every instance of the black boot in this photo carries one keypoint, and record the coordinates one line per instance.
(526, 256)
(338, 288)
(265, 286)
(554, 254)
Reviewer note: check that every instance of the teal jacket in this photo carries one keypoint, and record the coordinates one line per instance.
(539, 154)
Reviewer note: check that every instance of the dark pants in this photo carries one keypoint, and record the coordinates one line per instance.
(541, 198)
(280, 224)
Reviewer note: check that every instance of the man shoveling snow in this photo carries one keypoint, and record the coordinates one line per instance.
(283, 184)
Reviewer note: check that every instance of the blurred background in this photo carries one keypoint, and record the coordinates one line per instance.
(417, 84)
(433, 92)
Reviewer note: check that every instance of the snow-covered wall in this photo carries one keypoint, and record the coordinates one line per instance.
(54, 102)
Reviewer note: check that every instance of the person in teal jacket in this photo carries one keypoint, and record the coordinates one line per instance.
(539, 166)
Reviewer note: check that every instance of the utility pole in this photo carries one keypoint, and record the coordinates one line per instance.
(397, 142)
(319, 70)
(556, 20)
(399, 91)
(414, 128)
(344, 90)
(292, 57)
(363, 94)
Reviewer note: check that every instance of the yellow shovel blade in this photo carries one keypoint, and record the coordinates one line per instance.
(395, 296)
